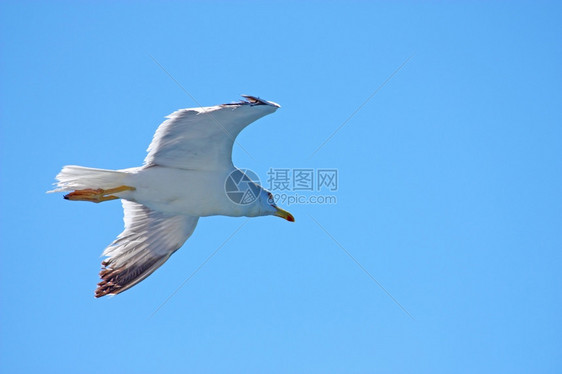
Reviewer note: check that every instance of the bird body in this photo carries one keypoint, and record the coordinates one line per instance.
(185, 176)
(206, 192)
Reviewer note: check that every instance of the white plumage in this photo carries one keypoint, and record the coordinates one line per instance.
(182, 179)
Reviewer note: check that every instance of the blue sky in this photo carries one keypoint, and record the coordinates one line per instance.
(449, 193)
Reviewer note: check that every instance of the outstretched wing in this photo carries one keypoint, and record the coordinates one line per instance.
(148, 240)
(202, 138)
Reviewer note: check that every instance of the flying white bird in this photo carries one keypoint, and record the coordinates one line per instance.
(188, 173)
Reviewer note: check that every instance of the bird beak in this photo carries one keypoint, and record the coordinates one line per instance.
(284, 214)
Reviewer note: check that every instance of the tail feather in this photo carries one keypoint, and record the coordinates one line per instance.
(73, 177)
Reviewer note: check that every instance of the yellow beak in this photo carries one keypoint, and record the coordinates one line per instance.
(284, 214)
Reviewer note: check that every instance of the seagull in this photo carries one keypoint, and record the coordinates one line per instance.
(188, 173)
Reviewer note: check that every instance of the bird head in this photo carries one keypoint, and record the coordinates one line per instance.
(268, 206)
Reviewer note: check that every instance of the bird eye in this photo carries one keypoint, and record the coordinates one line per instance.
(270, 198)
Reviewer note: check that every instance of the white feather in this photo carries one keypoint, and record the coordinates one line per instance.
(73, 177)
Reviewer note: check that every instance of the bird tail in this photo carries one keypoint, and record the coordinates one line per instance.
(73, 177)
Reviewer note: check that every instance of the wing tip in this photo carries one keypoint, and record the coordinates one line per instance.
(254, 100)
(115, 280)
(109, 282)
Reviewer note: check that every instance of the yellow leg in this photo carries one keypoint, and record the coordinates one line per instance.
(98, 195)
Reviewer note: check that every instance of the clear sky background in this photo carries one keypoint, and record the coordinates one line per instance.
(450, 187)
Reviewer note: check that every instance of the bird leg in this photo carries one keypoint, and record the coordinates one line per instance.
(97, 195)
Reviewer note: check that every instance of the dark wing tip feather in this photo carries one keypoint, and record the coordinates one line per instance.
(253, 100)
(110, 282)
(114, 281)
